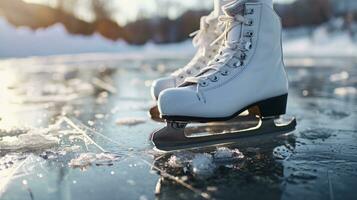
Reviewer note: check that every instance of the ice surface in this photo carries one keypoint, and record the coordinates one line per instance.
(341, 76)
(9, 160)
(318, 133)
(322, 108)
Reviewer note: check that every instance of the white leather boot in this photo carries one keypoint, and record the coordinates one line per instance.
(247, 71)
(210, 29)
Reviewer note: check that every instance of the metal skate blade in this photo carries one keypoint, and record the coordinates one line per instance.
(176, 136)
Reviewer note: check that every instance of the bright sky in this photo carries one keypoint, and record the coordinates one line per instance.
(127, 10)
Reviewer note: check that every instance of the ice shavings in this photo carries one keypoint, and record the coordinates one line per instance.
(9, 160)
(13, 131)
(28, 142)
(64, 131)
(175, 162)
(180, 159)
(282, 152)
(226, 154)
(28, 139)
(202, 164)
(345, 91)
(87, 159)
(339, 76)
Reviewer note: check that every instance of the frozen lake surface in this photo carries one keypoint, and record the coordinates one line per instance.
(76, 127)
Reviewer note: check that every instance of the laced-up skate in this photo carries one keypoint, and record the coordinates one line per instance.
(248, 72)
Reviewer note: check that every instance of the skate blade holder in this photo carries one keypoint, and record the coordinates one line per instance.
(245, 131)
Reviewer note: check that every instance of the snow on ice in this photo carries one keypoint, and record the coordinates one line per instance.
(86, 159)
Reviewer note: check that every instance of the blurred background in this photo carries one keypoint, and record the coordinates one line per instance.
(47, 27)
(75, 79)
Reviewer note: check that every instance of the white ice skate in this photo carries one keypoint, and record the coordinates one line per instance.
(247, 72)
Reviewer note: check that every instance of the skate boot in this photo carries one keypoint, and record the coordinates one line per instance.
(247, 72)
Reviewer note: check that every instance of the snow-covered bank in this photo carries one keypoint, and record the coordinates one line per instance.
(56, 44)
(24, 42)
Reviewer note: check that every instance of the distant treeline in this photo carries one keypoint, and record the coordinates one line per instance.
(156, 29)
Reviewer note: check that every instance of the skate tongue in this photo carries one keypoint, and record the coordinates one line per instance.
(232, 9)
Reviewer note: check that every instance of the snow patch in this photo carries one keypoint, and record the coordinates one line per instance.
(87, 159)
(28, 142)
(23, 140)
(204, 164)
(130, 121)
(345, 91)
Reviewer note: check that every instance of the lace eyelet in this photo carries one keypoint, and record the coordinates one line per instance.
(243, 56)
(248, 46)
(214, 79)
(181, 77)
(217, 60)
(249, 11)
(250, 22)
(225, 72)
(248, 34)
(237, 64)
(204, 84)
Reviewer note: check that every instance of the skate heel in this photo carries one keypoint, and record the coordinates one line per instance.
(273, 107)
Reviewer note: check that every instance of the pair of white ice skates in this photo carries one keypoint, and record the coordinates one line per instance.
(238, 67)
